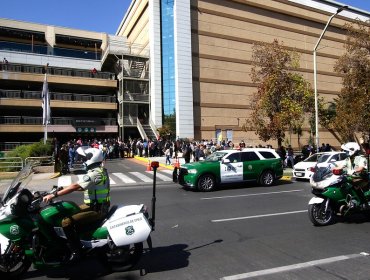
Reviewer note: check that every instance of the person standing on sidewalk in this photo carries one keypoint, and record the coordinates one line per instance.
(168, 156)
(289, 157)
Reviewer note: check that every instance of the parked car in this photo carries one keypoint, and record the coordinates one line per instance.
(231, 166)
(303, 169)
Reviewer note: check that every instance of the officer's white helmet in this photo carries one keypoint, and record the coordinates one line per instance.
(90, 155)
(351, 148)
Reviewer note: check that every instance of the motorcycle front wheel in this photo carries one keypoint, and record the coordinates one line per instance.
(125, 257)
(14, 266)
(319, 216)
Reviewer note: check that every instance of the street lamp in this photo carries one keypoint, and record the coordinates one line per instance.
(315, 76)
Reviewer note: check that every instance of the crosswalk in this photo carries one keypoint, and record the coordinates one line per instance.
(118, 178)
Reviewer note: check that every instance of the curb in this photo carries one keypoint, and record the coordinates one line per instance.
(286, 178)
(147, 160)
(55, 175)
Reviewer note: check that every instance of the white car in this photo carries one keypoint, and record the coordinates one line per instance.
(303, 169)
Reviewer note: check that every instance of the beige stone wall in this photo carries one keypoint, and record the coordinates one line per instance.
(136, 27)
(223, 35)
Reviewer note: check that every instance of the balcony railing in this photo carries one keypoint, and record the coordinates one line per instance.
(31, 120)
(136, 97)
(56, 51)
(12, 67)
(19, 94)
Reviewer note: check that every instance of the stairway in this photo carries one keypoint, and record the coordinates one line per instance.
(149, 132)
(137, 68)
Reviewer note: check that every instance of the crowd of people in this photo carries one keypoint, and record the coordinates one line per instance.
(171, 149)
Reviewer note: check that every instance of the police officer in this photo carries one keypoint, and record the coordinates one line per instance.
(96, 188)
(356, 165)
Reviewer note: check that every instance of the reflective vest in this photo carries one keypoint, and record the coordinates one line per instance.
(99, 192)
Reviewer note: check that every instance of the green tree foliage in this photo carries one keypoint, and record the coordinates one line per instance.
(353, 103)
(168, 130)
(284, 98)
(33, 150)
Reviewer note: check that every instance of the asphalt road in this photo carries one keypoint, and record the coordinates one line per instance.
(248, 232)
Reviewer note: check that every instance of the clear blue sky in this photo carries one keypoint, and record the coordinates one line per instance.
(93, 15)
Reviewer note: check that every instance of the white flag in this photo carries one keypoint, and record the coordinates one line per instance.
(45, 102)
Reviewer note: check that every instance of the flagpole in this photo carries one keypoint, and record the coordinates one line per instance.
(46, 105)
(46, 123)
(45, 133)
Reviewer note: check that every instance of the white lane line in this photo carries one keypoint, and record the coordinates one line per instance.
(64, 181)
(168, 171)
(142, 177)
(253, 194)
(111, 181)
(257, 216)
(124, 178)
(293, 267)
(161, 176)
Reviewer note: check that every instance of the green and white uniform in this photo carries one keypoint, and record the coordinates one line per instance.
(96, 186)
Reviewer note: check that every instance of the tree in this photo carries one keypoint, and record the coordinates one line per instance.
(283, 98)
(353, 103)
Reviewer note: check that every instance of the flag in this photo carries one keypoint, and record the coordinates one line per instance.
(45, 102)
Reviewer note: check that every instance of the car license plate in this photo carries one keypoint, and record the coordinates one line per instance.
(298, 174)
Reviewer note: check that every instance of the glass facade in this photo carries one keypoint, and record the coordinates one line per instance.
(168, 63)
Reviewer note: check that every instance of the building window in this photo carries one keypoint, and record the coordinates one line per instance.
(168, 64)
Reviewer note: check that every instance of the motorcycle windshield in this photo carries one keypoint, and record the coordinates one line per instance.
(322, 172)
(17, 183)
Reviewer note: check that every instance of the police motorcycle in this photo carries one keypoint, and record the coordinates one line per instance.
(31, 232)
(334, 195)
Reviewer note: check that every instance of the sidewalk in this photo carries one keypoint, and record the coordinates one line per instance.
(45, 181)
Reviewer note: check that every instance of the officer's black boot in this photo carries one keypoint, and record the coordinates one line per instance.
(73, 244)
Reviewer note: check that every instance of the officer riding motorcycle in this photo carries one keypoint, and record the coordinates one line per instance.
(356, 166)
(96, 188)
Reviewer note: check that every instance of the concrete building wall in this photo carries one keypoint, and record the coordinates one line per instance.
(223, 34)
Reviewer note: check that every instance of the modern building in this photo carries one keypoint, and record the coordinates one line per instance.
(201, 51)
(183, 63)
(84, 82)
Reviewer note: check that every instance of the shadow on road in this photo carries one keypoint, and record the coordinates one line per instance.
(159, 259)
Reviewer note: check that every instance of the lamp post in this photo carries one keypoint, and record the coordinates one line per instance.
(315, 76)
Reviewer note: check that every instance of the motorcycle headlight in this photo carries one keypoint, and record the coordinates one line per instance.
(192, 171)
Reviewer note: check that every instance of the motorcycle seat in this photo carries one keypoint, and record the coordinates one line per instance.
(100, 222)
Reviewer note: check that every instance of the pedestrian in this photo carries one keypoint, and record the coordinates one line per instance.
(72, 155)
(168, 156)
(289, 157)
(64, 158)
(187, 153)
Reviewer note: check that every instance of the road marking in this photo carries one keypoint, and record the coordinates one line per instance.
(254, 194)
(124, 178)
(167, 171)
(293, 267)
(142, 177)
(162, 176)
(257, 216)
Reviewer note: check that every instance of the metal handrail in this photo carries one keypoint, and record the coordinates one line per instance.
(46, 160)
(39, 69)
(11, 163)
